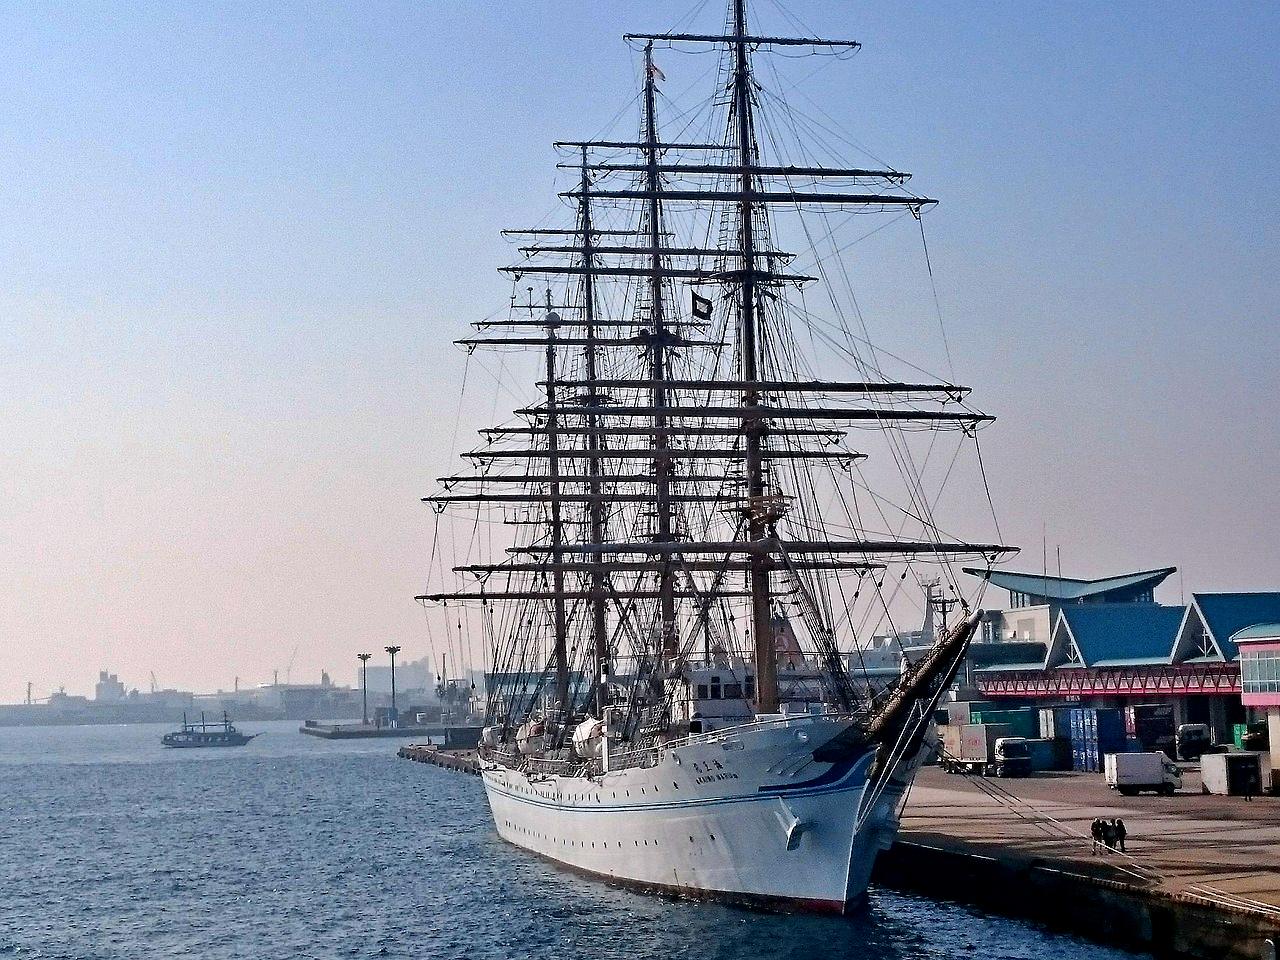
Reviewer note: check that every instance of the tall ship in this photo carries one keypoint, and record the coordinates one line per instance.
(672, 552)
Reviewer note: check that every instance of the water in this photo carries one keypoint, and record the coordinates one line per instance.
(292, 847)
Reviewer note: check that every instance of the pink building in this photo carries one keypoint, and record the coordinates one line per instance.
(1259, 647)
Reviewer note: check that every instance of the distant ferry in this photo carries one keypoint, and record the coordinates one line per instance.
(207, 734)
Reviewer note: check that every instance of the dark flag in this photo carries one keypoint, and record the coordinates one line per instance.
(701, 307)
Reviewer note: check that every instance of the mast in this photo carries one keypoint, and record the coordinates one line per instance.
(552, 320)
(599, 455)
(599, 625)
(658, 360)
(757, 516)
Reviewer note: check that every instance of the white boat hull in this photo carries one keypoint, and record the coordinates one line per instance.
(744, 815)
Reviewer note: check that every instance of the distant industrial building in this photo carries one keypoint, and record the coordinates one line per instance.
(288, 701)
(108, 689)
(412, 676)
(112, 702)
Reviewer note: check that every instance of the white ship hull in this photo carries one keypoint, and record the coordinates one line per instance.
(744, 815)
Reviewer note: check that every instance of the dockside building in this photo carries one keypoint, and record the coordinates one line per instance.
(1107, 643)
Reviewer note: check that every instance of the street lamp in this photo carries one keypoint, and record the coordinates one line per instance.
(393, 651)
(364, 686)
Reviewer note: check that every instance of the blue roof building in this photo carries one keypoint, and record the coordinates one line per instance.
(1114, 635)
(1213, 618)
(1099, 651)
(1035, 589)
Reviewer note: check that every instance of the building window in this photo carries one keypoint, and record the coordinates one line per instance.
(1260, 671)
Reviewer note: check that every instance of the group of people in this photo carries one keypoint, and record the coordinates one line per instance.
(1108, 833)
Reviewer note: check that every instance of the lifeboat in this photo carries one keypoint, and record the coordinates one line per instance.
(531, 738)
(588, 738)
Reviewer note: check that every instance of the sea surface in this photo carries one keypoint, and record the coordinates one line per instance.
(291, 847)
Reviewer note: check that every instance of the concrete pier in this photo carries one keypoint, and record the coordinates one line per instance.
(462, 761)
(454, 737)
(1200, 878)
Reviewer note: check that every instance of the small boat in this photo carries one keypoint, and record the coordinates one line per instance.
(213, 733)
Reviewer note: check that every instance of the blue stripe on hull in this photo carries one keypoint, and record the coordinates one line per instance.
(853, 777)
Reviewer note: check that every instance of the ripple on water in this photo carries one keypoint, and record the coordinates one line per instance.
(290, 847)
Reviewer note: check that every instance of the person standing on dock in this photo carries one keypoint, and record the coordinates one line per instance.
(1108, 830)
(1119, 832)
(1095, 830)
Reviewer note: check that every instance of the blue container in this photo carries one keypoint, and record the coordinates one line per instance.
(1078, 759)
(1077, 724)
(1110, 725)
(1092, 759)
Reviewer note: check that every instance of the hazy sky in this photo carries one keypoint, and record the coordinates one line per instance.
(236, 236)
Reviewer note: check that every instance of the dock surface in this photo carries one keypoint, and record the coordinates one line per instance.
(1194, 844)
(1200, 876)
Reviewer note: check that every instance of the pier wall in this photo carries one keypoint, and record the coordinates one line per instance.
(1102, 910)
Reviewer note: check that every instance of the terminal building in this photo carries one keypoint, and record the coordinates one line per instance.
(1107, 643)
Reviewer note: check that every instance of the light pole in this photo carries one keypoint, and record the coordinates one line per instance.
(364, 686)
(393, 651)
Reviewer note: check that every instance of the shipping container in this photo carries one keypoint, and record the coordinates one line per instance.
(1079, 732)
(1079, 759)
(1024, 722)
(1100, 727)
(1055, 722)
(960, 712)
(1109, 725)
(1050, 753)
(1237, 774)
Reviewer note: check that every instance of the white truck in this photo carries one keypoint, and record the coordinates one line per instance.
(985, 749)
(1131, 773)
